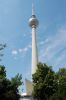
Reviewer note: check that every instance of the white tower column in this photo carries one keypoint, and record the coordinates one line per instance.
(34, 51)
(33, 22)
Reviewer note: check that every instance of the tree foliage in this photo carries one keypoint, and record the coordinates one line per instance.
(2, 46)
(2, 72)
(9, 88)
(61, 79)
(44, 83)
(49, 85)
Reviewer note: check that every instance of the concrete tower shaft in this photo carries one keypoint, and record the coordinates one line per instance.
(33, 23)
(34, 51)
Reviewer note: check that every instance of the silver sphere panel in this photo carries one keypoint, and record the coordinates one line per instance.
(33, 22)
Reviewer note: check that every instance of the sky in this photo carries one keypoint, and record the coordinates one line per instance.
(16, 33)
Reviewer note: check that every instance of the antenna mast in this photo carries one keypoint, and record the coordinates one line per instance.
(33, 8)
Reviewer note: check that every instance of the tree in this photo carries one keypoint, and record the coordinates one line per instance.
(9, 88)
(2, 72)
(49, 85)
(2, 46)
(61, 79)
(44, 84)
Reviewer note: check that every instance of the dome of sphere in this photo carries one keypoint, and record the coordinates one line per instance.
(33, 21)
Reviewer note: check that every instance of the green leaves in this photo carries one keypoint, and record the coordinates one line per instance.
(49, 85)
(17, 80)
(2, 72)
(2, 46)
(44, 82)
(9, 88)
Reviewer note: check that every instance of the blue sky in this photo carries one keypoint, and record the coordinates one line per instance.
(16, 33)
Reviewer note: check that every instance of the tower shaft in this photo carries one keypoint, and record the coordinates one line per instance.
(34, 51)
(33, 23)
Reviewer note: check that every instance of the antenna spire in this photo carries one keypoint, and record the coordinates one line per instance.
(33, 10)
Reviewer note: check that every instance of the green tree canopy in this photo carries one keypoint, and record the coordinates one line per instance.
(9, 88)
(2, 46)
(44, 84)
(49, 85)
(2, 72)
(61, 79)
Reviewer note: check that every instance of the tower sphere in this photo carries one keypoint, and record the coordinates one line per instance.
(33, 22)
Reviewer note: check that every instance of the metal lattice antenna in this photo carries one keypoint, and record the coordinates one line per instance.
(33, 10)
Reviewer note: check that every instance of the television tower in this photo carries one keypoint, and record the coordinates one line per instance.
(33, 23)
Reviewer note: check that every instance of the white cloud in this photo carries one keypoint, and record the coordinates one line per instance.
(14, 52)
(60, 58)
(25, 49)
(20, 50)
(51, 49)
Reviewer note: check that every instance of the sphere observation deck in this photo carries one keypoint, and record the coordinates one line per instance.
(33, 22)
